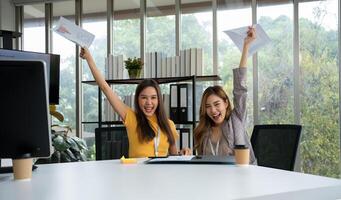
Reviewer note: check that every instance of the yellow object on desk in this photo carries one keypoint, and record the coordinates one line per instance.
(128, 160)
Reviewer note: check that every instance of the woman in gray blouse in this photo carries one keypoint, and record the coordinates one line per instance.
(220, 127)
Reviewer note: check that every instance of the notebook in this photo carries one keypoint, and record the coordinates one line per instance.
(193, 160)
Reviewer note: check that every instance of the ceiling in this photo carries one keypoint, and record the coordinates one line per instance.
(35, 8)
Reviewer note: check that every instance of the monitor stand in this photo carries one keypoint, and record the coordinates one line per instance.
(9, 169)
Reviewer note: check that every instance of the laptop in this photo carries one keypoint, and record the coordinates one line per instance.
(192, 160)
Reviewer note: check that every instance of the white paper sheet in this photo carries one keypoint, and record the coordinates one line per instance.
(238, 35)
(172, 158)
(74, 33)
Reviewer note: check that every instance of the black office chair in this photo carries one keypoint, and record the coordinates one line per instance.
(276, 145)
(111, 143)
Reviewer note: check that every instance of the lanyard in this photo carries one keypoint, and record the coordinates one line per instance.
(157, 142)
(215, 153)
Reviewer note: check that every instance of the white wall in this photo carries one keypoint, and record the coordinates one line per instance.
(7, 15)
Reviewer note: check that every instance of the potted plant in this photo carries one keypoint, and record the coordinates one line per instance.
(66, 148)
(134, 67)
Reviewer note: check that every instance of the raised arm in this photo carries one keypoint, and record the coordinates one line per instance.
(239, 78)
(113, 98)
(251, 36)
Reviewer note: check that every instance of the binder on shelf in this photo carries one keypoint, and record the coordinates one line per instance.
(193, 57)
(169, 67)
(199, 90)
(185, 103)
(177, 66)
(182, 63)
(106, 68)
(177, 142)
(166, 103)
(115, 68)
(173, 103)
(185, 138)
(153, 65)
(120, 66)
(199, 62)
(164, 67)
(146, 66)
(173, 66)
(187, 62)
(159, 56)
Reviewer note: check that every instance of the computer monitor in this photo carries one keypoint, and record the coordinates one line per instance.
(52, 62)
(25, 122)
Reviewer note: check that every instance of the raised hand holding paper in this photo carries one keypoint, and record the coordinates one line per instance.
(74, 33)
(238, 35)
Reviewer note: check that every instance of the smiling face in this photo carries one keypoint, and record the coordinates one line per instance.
(148, 101)
(216, 109)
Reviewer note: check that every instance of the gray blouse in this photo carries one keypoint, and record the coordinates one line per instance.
(233, 129)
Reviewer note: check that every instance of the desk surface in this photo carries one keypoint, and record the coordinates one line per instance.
(112, 180)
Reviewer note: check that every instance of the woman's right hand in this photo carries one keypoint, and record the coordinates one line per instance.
(85, 53)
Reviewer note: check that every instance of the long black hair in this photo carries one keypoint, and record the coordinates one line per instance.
(145, 131)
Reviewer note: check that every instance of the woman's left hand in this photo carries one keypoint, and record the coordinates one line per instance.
(186, 151)
(251, 36)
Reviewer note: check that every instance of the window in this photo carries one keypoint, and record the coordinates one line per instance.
(127, 28)
(94, 21)
(319, 88)
(161, 27)
(126, 31)
(34, 28)
(196, 30)
(275, 65)
(66, 50)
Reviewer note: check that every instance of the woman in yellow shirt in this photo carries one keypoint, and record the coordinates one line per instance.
(150, 132)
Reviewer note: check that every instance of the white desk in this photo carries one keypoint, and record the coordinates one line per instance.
(112, 180)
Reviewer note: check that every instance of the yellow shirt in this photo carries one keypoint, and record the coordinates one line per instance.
(146, 149)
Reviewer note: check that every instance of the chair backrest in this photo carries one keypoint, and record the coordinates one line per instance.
(111, 143)
(276, 145)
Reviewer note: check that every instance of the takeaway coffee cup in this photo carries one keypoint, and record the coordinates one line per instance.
(22, 168)
(242, 154)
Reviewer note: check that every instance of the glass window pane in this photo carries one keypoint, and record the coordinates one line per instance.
(66, 50)
(275, 65)
(34, 28)
(126, 28)
(126, 31)
(320, 148)
(160, 27)
(160, 39)
(196, 30)
(94, 21)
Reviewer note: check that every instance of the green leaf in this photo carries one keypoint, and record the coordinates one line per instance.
(60, 144)
(64, 157)
(83, 157)
(70, 154)
(81, 143)
(55, 158)
(73, 144)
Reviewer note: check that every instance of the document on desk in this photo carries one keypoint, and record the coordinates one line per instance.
(74, 33)
(192, 160)
(238, 35)
(171, 159)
